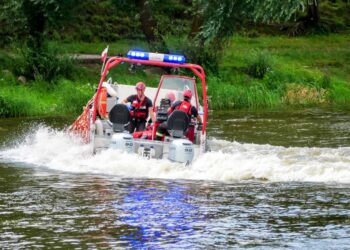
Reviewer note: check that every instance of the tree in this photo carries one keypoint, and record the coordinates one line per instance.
(220, 19)
(28, 19)
(142, 9)
(313, 13)
(212, 22)
(11, 21)
(34, 16)
(40, 13)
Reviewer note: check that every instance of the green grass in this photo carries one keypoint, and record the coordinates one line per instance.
(228, 96)
(316, 54)
(318, 63)
(39, 98)
(258, 72)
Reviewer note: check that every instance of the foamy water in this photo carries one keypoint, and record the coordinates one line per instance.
(228, 161)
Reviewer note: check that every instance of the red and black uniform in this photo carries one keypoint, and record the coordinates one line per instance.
(186, 107)
(138, 112)
(178, 105)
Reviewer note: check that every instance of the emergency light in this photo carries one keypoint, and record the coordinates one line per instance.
(148, 56)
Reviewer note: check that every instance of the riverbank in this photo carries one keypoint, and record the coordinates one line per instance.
(261, 72)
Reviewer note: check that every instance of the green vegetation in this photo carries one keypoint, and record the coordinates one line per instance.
(276, 71)
(39, 98)
(249, 50)
(254, 73)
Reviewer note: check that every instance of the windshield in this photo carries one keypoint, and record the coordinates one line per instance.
(176, 84)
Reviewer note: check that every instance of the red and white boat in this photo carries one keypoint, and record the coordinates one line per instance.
(105, 117)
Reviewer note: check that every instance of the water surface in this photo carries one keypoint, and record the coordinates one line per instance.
(274, 179)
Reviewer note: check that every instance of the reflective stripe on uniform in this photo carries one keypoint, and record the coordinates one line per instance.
(159, 134)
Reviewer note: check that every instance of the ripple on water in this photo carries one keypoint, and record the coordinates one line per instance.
(54, 194)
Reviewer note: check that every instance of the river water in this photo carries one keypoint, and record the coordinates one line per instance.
(273, 179)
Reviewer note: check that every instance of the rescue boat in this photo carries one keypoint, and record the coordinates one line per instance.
(103, 123)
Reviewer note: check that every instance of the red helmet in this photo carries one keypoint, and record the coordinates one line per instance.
(140, 86)
(171, 96)
(187, 93)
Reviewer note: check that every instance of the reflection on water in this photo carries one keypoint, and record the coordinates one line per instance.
(47, 209)
(147, 204)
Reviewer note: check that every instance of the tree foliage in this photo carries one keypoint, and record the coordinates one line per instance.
(202, 27)
(11, 21)
(34, 16)
(222, 18)
(154, 17)
(28, 19)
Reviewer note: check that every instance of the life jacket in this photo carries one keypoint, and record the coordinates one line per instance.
(185, 106)
(139, 110)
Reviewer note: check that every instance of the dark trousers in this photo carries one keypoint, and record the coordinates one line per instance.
(137, 125)
(162, 130)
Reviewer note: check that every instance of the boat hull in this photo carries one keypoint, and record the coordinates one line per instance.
(177, 150)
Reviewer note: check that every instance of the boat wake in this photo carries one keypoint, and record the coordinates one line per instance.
(228, 161)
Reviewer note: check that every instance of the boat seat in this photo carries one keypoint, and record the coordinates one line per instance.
(178, 123)
(120, 117)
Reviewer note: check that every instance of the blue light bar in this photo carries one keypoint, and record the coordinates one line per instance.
(148, 56)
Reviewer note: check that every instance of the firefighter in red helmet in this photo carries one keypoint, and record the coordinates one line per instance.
(141, 107)
(184, 105)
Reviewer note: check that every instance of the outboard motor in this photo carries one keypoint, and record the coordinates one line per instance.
(180, 149)
(121, 139)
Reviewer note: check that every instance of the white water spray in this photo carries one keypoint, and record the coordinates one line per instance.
(228, 161)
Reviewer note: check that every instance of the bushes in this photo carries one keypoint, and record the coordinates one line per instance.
(340, 93)
(227, 96)
(15, 103)
(268, 86)
(278, 89)
(287, 69)
(249, 78)
(297, 94)
(39, 97)
(45, 64)
(71, 98)
(259, 63)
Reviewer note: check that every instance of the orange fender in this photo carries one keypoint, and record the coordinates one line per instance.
(102, 103)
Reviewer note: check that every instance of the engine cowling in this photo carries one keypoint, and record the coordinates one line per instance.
(123, 142)
(181, 150)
